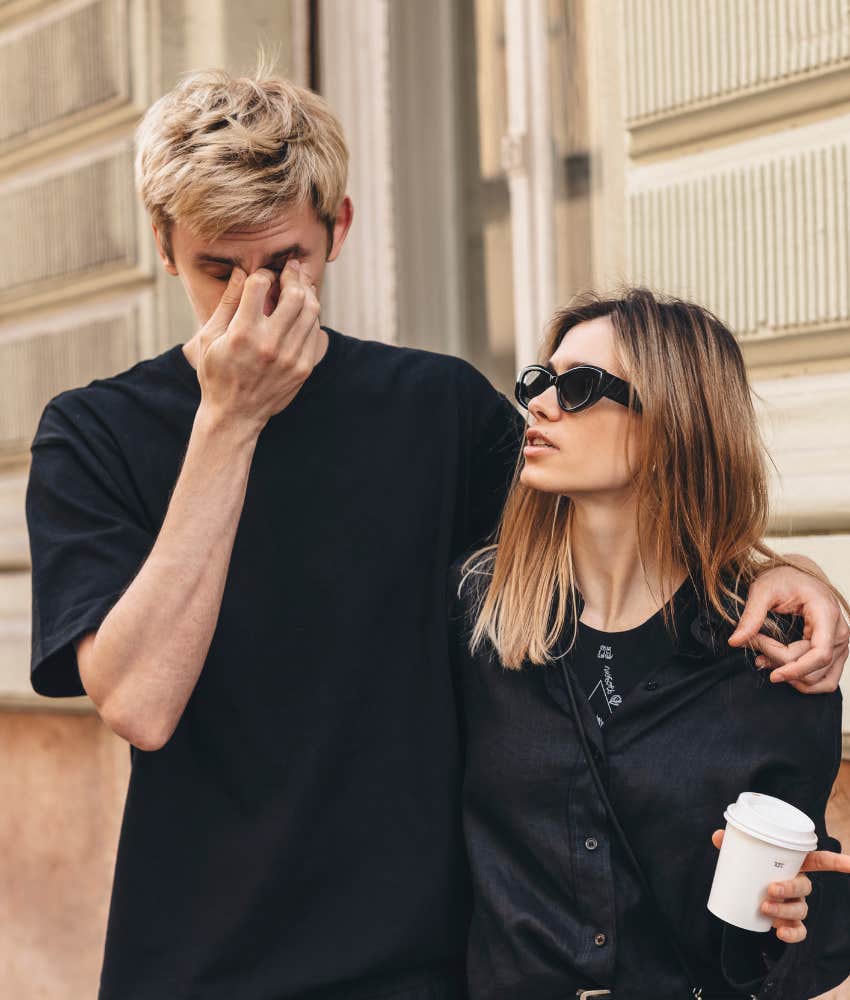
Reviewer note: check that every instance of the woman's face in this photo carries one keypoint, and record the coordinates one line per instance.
(587, 453)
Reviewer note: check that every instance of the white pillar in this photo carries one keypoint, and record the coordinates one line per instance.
(359, 297)
(528, 159)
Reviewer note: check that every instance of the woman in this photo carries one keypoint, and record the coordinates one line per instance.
(592, 644)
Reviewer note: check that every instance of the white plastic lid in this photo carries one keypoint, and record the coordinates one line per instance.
(773, 821)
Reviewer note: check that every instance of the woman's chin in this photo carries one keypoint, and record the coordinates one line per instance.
(537, 479)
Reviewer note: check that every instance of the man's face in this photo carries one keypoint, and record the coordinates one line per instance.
(204, 266)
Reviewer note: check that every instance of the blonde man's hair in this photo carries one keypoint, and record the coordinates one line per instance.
(220, 152)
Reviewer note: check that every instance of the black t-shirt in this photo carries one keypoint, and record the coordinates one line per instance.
(300, 831)
(610, 664)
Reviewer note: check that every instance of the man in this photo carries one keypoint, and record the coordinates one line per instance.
(240, 550)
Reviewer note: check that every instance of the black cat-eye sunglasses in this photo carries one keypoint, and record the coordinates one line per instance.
(577, 388)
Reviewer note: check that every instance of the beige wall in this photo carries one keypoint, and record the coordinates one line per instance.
(720, 146)
(62, 784)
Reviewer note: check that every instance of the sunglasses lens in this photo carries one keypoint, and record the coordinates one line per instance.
(531, 383)
(575, 387)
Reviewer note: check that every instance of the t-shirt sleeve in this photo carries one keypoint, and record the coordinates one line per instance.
(86, 541)
(496, 436)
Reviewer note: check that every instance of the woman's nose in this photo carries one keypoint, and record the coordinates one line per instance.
(545, 406)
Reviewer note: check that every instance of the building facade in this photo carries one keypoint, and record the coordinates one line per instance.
(505, 155)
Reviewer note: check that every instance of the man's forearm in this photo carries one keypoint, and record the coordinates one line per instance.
(145, 659)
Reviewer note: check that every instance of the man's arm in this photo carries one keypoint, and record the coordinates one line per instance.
(814, 664)
(142, 664)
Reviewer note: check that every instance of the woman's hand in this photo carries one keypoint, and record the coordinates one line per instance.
(813, 665)
(786, 901)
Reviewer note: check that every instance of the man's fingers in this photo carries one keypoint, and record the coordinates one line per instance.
(826, 861)
(257, 285)
(296, 317)
(779, 653)
(804, 665)
(826, 684)
(826, 681)
(821, 621)
(226, 308)
(775, 654)
(717, 838)
(295, 297)
(759, 603)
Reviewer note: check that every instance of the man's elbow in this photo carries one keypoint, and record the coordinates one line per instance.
(118, 707)
(147, 734)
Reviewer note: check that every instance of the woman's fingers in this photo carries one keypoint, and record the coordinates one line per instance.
(792, 888)
(791, 910)
(791, 931)
(826, 861)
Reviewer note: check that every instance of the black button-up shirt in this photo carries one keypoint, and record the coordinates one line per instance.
(557, 907)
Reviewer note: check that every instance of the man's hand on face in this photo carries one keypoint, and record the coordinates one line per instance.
(814, 664)
(251, 366)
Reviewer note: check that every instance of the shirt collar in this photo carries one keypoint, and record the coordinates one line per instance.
(699, 633)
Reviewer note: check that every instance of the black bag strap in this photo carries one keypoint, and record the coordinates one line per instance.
(696, 991)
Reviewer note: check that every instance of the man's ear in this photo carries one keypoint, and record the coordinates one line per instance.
(342, 223)
(164, 256)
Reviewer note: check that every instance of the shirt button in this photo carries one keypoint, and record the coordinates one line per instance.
(591, 843)
(596, 754)
(651, 685)
(600, 940)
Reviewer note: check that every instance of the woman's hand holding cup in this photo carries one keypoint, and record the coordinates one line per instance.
(786, 901)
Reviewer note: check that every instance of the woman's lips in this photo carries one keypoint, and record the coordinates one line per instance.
(537, 443)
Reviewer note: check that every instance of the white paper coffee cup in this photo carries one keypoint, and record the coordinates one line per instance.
(766, 840)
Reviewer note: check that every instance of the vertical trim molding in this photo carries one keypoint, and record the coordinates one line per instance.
(360, 292)
(528, 160)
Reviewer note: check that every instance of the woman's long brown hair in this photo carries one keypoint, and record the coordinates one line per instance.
(700, 482)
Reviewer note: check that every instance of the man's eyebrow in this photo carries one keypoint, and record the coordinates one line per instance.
(296, 250)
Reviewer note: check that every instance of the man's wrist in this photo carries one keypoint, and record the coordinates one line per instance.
(213, 425)
(807, 565)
